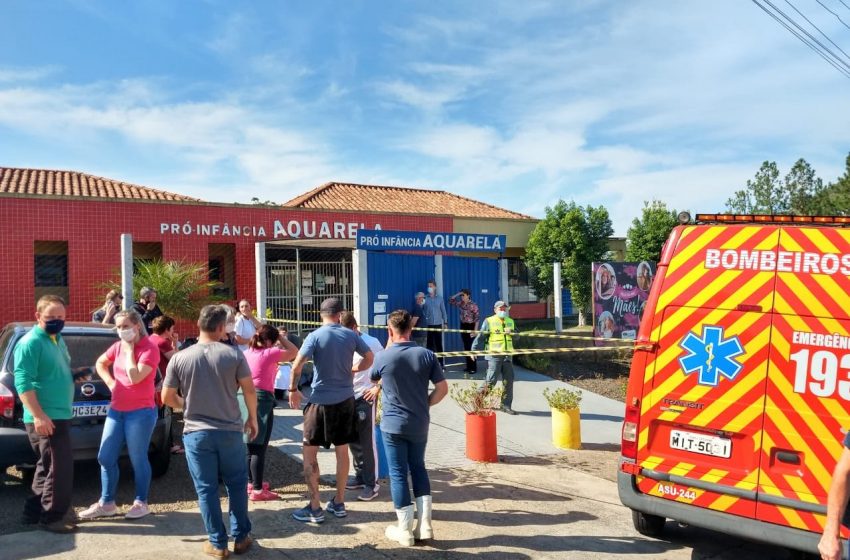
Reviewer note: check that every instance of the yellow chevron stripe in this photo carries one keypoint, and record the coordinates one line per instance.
(789, 243)
(683, 468)
(813, 304)
(813, 463)
(802, 491)
(821, 241)
(707, 235)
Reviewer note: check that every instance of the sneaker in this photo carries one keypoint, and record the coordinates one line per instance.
(138, 510)
(308, 514)
(509, 410)
(97, 510)
(354, 484)
(368, 494)
(336, 509)
(250, 488)
(264, 495)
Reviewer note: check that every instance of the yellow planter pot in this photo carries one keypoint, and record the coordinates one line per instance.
(566, 428)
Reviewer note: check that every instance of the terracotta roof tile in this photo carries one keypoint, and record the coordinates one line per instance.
(402, 200)
(45, 182)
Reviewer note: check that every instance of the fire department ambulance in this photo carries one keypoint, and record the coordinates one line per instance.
(739, 392)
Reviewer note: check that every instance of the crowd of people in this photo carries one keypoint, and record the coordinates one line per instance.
(224, 384)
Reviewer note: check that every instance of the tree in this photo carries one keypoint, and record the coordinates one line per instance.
(836, 196)
(257, 202)
(648, 233)
(182, 288)
(576, 237)
(799, 192)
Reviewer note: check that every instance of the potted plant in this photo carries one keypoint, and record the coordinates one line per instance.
(566, 420)
(479, 403)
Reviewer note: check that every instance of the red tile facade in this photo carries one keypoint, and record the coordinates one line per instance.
(92, 229)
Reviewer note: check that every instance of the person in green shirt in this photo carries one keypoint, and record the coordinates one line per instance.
(46, 387)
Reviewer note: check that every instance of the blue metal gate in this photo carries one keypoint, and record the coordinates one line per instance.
(481, 277)
(393, 280)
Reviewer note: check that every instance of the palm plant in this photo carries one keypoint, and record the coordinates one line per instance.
(182, 287)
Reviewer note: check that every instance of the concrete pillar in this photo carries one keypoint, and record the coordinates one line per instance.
(127, 270)
(260, 279)
(559, 305)
(504, 291)
(360, 287)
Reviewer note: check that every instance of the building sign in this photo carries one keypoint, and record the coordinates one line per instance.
(389, 240)
(620, 290)
(295, 229)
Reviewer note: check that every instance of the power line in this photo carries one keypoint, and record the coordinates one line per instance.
(845, 5)
(806, 42)
(818, 28)
(823, 47)
(833, 13)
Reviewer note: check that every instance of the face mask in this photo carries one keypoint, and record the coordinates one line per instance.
(231, 327)
(54, 326)
(127, 335)
(431, 290)
(502, 314)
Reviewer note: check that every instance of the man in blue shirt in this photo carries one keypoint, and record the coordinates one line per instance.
(405, 370)
(330, 416)
(435, 319)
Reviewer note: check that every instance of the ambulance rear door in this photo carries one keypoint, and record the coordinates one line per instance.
(701, 422)
(808, 386)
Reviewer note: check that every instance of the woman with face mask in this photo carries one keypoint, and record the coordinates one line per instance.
(132, 414)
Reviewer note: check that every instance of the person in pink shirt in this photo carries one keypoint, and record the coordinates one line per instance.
(267, 348)
(166, 339)
(132, 414)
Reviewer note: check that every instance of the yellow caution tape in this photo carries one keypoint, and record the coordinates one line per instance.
(532, 334)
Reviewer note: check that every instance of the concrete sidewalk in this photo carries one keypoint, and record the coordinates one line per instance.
(528, 434)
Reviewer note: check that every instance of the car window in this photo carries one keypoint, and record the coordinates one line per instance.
(5, 338)
(85, 349)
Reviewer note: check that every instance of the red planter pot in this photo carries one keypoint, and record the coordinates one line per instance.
(481, 438)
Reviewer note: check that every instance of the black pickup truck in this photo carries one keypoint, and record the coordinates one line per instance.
(86, 342)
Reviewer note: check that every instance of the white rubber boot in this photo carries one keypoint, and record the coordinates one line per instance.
(403, 532)
(423, 529)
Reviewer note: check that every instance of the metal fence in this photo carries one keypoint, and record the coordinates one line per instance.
(296, 290)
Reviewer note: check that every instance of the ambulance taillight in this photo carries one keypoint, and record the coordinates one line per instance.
(630, 432)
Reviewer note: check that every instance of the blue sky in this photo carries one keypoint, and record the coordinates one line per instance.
(513, 103)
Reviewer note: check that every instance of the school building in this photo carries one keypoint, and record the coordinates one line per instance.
(61, 234)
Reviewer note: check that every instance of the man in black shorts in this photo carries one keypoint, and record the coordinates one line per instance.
(329, 417)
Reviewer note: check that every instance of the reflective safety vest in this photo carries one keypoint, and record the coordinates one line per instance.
(499, 341)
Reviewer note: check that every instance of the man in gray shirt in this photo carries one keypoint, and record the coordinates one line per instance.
(435, 318)
(330, 415)
(208, 375)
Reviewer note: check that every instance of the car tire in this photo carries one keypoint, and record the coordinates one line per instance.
(160, 458)
(647, 524)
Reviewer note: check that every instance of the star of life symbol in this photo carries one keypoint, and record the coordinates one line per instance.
(711, 355)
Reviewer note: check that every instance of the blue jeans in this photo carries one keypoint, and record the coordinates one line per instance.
(135, 428)
(208, 454)
(504, 367)
(406, 454)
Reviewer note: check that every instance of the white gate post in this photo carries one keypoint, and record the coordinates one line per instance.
(559, 306)
(260, 280)
(127, 270)
(360, 287)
